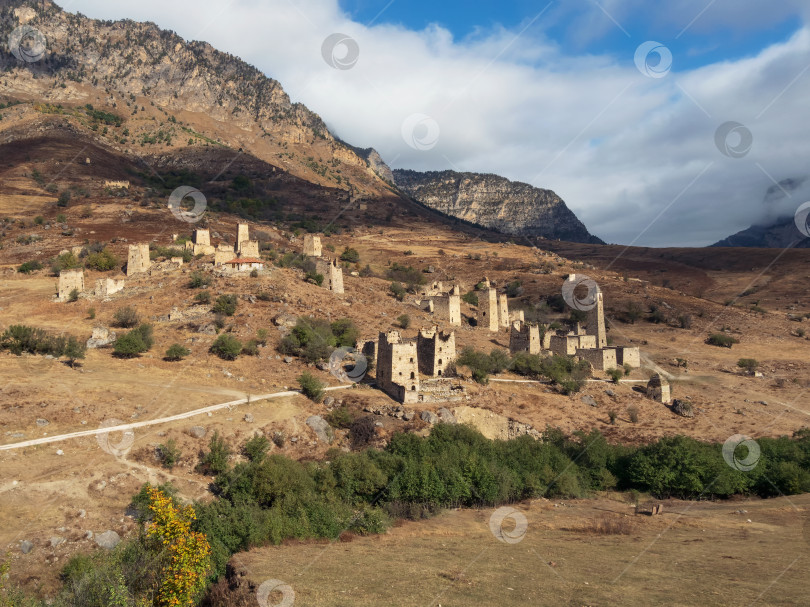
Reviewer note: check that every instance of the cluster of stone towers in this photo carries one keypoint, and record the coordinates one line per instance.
(245, 248)
(400, 362)
(328, 268)
(445, 306)
(587, 344)
(493, 309)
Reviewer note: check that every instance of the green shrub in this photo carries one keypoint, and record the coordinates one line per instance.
(225, 304)
(340, 417)
(177, 352)
(722, 340)
(314, 278)
(261, 337)
(255, 448)
(311, 386)
(102, 261)
(612, 415)
(313, 339)
(73, 295)
(215, 461)
(135, 342)
(227, 347)
(64, 199)
(397, 290)
(65, 261)
(632, 412)
(60, 218)
(514, 289)
(404, 321)
(749, 365)
(125, 317)
(350, 255)
(29, 266)
(471, 297)
(91, 313)
(615, 374)
(251, 348)
(406, 274)
(169, 454)
(203, 297)
(197, 280)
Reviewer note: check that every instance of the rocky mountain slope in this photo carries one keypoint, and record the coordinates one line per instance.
(144, 90)
(494, 202)
(781, 234)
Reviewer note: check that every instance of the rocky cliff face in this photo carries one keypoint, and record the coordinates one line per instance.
(496, 203)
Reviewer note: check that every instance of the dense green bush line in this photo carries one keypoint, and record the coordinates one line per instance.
(269, 498)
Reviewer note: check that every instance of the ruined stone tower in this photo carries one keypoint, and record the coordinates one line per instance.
(312, 245)
(503, 311)
(448, 307)
(488, 308)
(435, 349)
(398, 367)
(524, 338)
(332, 274)
(202, 237)
(69, 280)
(658, 389)
(138, 258)
(249, 249)
(596, 321)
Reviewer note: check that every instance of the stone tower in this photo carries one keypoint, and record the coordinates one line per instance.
(524, 338)
(242, 234)
(488, 309)
(398, 367)
(138, 259)
(69, 280)
(202, 237)
(658, 389)
(596, 321)
(448, 307)
(503, 311)
(332, 274)
(312, 245)
(436, 349)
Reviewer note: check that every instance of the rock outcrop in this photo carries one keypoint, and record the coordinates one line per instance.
(494, 202)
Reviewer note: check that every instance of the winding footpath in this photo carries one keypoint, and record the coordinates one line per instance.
(161, 420)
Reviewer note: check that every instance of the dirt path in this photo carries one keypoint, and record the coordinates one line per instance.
(161, 420)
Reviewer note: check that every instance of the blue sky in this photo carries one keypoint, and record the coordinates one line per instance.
(570, 101)
(704, 42)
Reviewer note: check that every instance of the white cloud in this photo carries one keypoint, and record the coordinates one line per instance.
(617, 146)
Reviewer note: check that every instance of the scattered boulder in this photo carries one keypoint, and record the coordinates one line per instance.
(56, 541)
(249, 418)
(408, 415)
(429, 417)
(288, 359)
(446, 416)
(285, 321)
(321, 428)
(207, 329)
(683, 408)
(42, 422)
(102, 337)
(589, 400)
(26, 546)
(328, 401)
(109, 539)
(197, 431)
